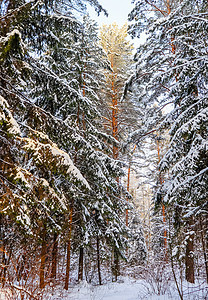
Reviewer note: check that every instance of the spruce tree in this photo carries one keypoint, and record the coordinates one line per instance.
(171, 68)
(59, 122)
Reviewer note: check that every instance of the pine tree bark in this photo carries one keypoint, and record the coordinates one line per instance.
(3, 277)
(114, 109)
(42, 259)
(128, 183)
(189, 258)
(54, 256)
(2, 251)
(163, 206)
(81, 264)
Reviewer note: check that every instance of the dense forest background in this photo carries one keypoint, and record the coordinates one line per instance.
(82, 118)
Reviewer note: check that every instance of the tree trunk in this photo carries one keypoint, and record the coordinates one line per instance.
(3, 278)
(81, 263)
(163, 206)
(128, 185)
(66, 286)
(204, 248)
(114, 119)
(20, 267)
(189, 259)
(43, 258)
(115, 268)
(54, 256)
(2, 251)
(98, 260)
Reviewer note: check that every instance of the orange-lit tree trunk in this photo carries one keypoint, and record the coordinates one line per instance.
(119, 51)
(54, 256)
(163, 206)
(43, 258)
(114, 112)
(114, 103)
(3, 271)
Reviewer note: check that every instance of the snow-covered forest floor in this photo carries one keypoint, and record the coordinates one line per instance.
(125, 289)
(129, 289)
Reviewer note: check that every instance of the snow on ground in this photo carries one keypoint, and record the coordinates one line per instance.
(129, 289)
(125, 289)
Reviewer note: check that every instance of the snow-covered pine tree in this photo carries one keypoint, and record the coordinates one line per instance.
(120, 113)
(186, 159)
(137, 250)
(34, 171)
(172, 67)
(87, 146)
(81, 71)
